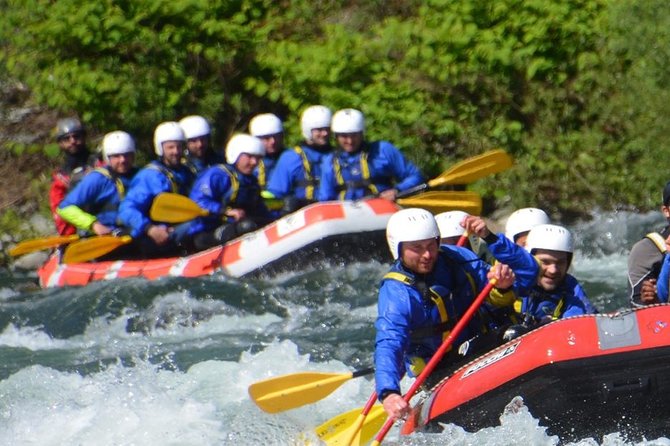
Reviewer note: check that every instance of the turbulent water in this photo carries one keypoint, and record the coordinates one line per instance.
(132, 362)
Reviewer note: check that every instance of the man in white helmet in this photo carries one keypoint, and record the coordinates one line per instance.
(424, 294)
(78, 160)
(92, 206)
(231, 194)
(296, 176)
(521, 221)
(199, 151)
(556, 294)
(270, 130)
(359, 168)
(167, 173)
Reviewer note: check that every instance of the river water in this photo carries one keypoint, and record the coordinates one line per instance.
(132, 362)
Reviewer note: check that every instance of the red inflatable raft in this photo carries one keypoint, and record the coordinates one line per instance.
(581, 377)
(333, 231)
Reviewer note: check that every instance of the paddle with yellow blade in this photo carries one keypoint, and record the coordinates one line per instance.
(443, 201)
(94, 247)
(38, 244)
(286, 392)
(467, 171)
(356, 427)
(175, 208)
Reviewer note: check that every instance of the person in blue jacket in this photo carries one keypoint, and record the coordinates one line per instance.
(92, 206)
(168, 173)
(270, 130)
(359, 168)
(231, 194)
(420, 299)
(296, 176)
(199, 153)
(556, 294)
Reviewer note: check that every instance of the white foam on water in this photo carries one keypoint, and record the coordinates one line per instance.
(31, 338)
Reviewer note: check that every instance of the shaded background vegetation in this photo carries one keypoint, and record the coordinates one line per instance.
(575, 90)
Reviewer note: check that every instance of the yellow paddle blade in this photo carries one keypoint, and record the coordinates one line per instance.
(37, 244)
(474, 168)
(294, 390)
(352, 428)
(175, 208)
(443, 201)
(94, 247)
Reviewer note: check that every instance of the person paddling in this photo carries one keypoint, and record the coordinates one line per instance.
(557, 294)
(78, 160)
(646, 257)
(231, 194)
(427, 289)
(167, 173)
(359, 168)
(521, 221)
(92, 206)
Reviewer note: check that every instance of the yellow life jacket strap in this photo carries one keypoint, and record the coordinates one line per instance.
(234, 182)
(436, 298)
(117, 181)
(173, 183)
(365, 173)
(261, 174)
(400, 277)
(309, 188)
(658, 240)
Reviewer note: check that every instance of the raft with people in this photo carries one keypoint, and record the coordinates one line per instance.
(336, 231)
(583, 376)
(333, 231)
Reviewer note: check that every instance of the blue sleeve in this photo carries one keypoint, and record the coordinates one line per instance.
(280, 183)
(662, 284)
(86, 192)
(405, 172)
(211, 191)
(476, 267)
(134, 209)
(327, 184)
(392, 326)
(525, 267)
(577, 303)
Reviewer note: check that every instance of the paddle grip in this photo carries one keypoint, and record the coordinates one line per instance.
(412, 190)
(437, 357)
(359, 373)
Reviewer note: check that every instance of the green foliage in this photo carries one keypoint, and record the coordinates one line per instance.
(574, 89)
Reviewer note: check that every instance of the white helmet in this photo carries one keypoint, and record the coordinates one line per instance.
(409, 225)
(450, 223)
(194, 126)
(348, 120)
(265, 124)
(117, 143)
(315, 117)
(553, 237)
(523, 220)
(167, 131)
(242, 143)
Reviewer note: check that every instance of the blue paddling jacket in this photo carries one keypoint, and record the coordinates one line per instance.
(297, 173)
(416, 313)
(662, 284)
(221, 187)
(96, 198)
(379, 166)
(569, 299)
(155, 178)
